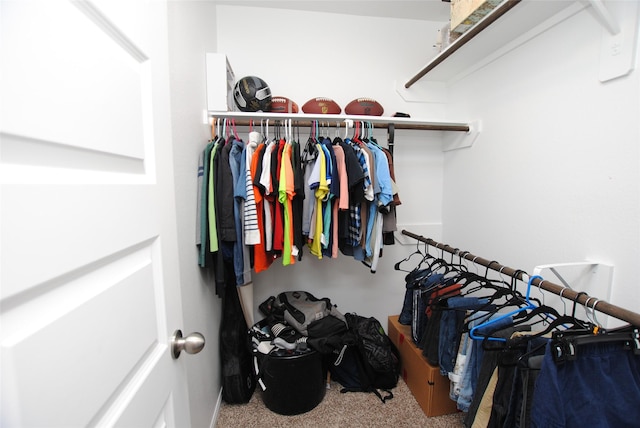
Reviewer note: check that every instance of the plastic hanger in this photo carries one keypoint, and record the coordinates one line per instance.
(406, 259)
(529, 305)
(235, 131)
(500, 291)
(348, 123)
(213, 128)
(546, 313)
(483, 282)
(570, 324)
(565, 343)
(225, 129)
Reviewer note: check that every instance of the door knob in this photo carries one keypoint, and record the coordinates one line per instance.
(191, 344)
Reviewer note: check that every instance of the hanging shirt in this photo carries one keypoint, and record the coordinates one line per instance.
(265, 182)
(203, 237)
(298, 200)
(328, 200)
(355, 225)
(278, 228)
(262, 261)
(224, 194)
(251, 231)
(285, 196)
(239, 188)
(211, 207)
(342, 202)
(341, 167)
(309, 157)
(382, 197)
(321, 193)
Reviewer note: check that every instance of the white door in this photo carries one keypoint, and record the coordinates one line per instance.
(89, 293)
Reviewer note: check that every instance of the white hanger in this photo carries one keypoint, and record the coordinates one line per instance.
(348, 123)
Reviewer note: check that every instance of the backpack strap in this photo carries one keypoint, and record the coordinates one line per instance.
(384, 399)
(388, 396)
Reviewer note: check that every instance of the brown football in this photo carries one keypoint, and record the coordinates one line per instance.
(283, 105)
(364, 107)
(321, 105)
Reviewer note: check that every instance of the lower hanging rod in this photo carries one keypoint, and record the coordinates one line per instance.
(582, 298)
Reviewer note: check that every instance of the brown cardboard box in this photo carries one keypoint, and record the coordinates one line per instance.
(466, 13)
(427, 385)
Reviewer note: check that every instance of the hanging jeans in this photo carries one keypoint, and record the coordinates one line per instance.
(450, 329)
(474, 352)
(601, 388)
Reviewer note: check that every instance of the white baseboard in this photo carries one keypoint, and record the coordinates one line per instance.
(216, 411)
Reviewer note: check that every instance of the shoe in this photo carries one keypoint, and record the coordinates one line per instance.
(288, 338)
(299, 345)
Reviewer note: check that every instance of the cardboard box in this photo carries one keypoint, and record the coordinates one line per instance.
(466, 13)
(427, 385)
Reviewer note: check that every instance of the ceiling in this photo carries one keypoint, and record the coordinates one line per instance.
(427, 10)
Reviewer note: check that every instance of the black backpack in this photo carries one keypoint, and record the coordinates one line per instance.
(369, 362)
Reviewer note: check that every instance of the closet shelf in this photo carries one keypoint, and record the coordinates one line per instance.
(304, 119)
(509, 25)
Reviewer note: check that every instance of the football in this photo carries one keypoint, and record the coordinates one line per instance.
(283, 105)
(321, 105)
(364, 107)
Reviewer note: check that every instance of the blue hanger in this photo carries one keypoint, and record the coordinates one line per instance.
(529, 305)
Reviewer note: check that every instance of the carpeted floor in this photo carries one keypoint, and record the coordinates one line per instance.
(354, 409)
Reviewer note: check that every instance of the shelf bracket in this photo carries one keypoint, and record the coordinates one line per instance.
(593, 278)
(455, 141)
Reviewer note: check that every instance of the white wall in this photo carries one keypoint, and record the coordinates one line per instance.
(191, 34)
(554, 176)
(303, 55)
(345, 57)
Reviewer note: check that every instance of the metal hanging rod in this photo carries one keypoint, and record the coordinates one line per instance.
(579, 297)
(413, 126)
(422, 127)
(464, 39)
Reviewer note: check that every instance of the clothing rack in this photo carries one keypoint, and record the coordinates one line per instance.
(374, 122)
(579, 297)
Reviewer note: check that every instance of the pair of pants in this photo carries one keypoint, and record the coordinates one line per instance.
(601, 388)
(451, 324)
(474, 354)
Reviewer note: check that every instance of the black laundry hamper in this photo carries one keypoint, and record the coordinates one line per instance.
(294, 382)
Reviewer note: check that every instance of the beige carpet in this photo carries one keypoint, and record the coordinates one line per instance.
(353, 409)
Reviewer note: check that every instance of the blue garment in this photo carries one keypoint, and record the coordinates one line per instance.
(330, 163)
(334, 187)
(420, 301)
(411, 280)
(449, 335)
(601, 388)
(474, 356)
(382, 192)
(239, 187)
(383, 177)
(355, 217)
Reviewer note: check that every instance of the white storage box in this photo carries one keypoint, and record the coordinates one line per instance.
(220, 82)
